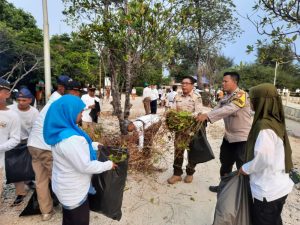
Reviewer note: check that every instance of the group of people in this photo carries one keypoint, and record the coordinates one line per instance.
(260, 148)
(65, 154)
(62, 153)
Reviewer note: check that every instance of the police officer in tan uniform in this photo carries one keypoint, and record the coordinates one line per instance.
(234, 108)
(190, 102)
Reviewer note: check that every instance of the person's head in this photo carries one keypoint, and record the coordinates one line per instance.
(4, 91)
(62, 82)
(73, 88)
(91, 90)
(230, 81)
(174, 88)
(146, 84)
(130, 127)
(187, 84)
(24, 99)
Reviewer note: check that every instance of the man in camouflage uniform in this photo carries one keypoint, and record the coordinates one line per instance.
(190, 102)
(234, 108)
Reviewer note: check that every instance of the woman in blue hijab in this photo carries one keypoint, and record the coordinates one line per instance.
(74, 159)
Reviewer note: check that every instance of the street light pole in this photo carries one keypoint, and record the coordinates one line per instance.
(47, 68)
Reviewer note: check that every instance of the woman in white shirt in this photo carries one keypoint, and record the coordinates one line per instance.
(268, 156)
(74, 158)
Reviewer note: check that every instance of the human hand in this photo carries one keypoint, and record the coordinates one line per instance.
(92, 106)
(114, 166)
(201, 117)
(242, 172)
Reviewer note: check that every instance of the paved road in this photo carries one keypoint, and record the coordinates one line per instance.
(293, 127)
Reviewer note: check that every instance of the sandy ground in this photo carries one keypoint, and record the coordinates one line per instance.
(148, 199)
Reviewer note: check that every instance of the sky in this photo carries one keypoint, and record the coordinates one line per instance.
(236, 50)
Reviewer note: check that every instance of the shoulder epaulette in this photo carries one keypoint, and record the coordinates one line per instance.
(240, 99)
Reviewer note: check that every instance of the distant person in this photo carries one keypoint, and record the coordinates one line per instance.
(234, 109)
(107, 93)
(154, 98)
(133, 93)
(269, 156)
(171, 96)
(147, 98)
(10, 128)
(28, 114)
(92, 108)
(74, 159)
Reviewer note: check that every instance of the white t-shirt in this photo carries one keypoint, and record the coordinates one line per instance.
(147, 92)
(36, 138)
(142, 123)
(10, 130)
(88, 101)
(267, 170)
(73, 169)
(154, 94)
(27, 119)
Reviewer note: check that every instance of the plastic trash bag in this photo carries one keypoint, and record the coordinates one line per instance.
(33, 207)
(18, 165)
(200, 150)
(233, 201)
(110, 185)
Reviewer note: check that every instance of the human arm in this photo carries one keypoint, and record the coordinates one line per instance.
(76, 151)
(222, 112)
(14, 134)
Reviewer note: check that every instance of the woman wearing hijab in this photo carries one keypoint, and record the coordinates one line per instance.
(268, 154)
(74, 159)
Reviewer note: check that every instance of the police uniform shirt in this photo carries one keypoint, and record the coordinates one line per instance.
(235, 110)
(190, 103)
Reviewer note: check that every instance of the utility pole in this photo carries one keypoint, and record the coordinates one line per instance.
(277, 63)
(47, 68)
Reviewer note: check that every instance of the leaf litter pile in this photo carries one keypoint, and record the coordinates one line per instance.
(141, 161)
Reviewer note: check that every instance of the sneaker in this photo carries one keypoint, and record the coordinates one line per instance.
(174, 179)
(19, 199)
(188, 179)
(215, 189)
(47, 216)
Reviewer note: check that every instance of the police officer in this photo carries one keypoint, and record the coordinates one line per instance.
(191, 102)
(234, 108)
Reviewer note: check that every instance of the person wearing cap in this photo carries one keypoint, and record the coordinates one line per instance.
(73, 88)
(147, 93)
(140, 125)
(234, 109)
(41, 153)
(28, 115)
(10, 127)
(268, 156)
(190, 102)
(92, 103)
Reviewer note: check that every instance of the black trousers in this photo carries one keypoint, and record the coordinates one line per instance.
(268, 213)
(153, 106)
(231, 153)
(77, 216)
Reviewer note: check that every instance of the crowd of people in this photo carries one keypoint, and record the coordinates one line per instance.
(65, 156)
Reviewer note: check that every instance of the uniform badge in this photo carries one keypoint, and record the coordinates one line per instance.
(240, 99)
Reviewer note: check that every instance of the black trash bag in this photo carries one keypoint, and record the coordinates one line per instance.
(18, 165)
(233, 201)
(33, 207)
(110, 185)
(94, 112)
(200, 150)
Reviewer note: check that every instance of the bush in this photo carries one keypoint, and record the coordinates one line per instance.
(139, 91)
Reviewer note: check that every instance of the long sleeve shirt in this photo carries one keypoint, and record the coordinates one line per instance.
(235, 111)
(147, 92)
(36, 138)
(10, 130)
(88, 101)
(73, 169)
(267, 169)
(142, 123)
(191, 103)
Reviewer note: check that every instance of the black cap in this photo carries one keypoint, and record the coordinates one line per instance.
(63, 80)
(4, 84)
(73, 85)
(92, 87)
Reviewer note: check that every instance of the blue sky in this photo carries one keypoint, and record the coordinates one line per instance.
(236, 50)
